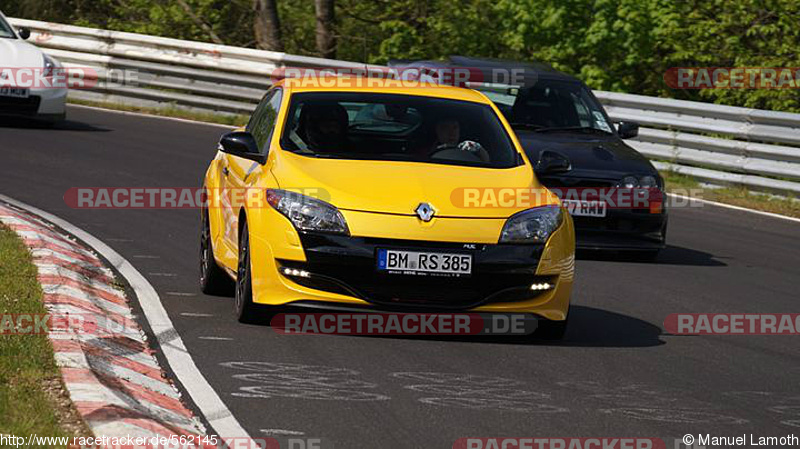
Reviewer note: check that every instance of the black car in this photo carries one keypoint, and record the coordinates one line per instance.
(576, 148)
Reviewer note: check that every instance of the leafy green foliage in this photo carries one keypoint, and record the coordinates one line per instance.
(620, 45)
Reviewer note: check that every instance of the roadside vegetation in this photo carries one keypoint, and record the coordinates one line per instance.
(169, 111)
(32, 396)
(736, 196)
(623, 45)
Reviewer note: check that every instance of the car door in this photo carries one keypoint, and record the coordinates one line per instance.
(238, 173)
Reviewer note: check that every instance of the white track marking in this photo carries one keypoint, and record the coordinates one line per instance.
(179, 294)
(281, 432)
(739, 208)
(179, 359)
(215, 338)
(197, 315)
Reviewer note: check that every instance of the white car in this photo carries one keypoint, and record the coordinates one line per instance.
(35, 101)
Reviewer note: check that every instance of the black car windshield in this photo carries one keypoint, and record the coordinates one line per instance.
(5, 29)
(373, 126)
(549, 106)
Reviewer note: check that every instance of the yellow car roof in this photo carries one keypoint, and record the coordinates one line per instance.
(380, 85)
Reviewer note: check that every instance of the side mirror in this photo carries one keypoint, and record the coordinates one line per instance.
(551, 162)
(241, 144)
(24, 33)
(627, 130)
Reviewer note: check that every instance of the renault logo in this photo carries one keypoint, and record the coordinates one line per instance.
(425, 212)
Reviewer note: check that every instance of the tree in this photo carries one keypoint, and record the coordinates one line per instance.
(326, 39)
(267, 26)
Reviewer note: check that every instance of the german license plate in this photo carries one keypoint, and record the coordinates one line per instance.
(580, 208)
(16, 92)
(423, 262)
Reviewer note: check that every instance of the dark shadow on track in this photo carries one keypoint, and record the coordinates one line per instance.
(66, 125)
(588, 327)
(671, 255)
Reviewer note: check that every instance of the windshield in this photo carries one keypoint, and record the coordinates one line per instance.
(369, 126)
(548, 105)
(5, 29)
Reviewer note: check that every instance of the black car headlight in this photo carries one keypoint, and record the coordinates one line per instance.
(532, 225)
(639, 182)
(648, 182)
(307, 213)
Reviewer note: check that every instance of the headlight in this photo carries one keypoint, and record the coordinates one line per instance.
(648, 182)
(532, 226)
(306, 213)
(629, 182)
(642, 182)
(49, 66)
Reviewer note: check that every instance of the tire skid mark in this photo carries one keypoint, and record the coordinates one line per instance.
(298, 381)
(477, 392)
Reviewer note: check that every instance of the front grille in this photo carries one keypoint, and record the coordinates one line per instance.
(20, 106)
(347, 266)
(579, 183)
(422, 291)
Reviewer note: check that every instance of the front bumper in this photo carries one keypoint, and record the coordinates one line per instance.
(622, 229)
(347, 265)
(43, 104)
(342, 270)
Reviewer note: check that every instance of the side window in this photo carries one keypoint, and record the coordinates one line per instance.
(583, 112)
(262, 123)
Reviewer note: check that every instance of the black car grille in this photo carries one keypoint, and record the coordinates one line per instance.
(580, 183)
(399, 291)
(20, 106)
(347, 266)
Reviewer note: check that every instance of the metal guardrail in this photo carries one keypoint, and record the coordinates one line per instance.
(713, 143)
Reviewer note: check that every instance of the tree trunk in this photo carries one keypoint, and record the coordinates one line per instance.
(267, 26)
(326, 39)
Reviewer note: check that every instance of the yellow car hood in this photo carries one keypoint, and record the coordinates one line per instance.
(392, 187)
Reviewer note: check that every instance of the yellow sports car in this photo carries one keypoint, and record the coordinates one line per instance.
(363, 197)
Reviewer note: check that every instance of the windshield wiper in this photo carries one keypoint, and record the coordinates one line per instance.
(574, 128)
(526, 126)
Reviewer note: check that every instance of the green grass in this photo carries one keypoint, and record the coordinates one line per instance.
(31, 392)
(170, 111)
(737, 196)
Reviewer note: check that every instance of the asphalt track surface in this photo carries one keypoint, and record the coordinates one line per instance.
(616, 373)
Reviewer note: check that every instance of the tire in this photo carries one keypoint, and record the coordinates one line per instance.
(245, 309)
(551, 330)
(213, 279)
